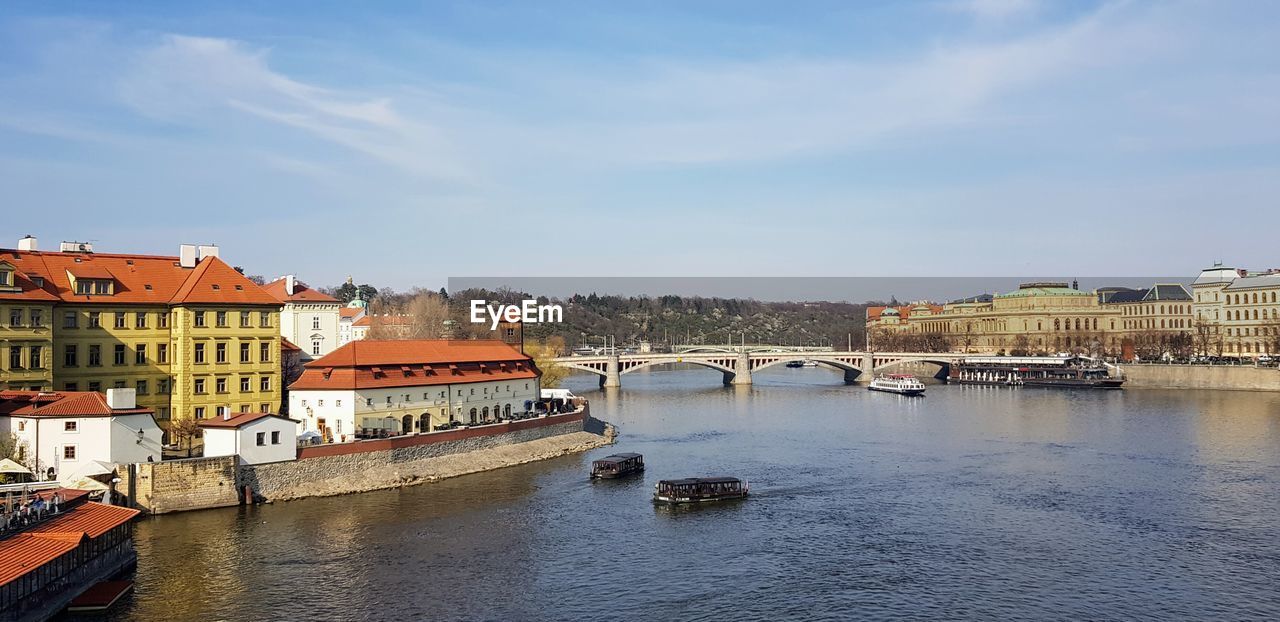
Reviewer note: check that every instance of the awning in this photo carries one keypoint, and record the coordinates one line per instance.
(9, 466)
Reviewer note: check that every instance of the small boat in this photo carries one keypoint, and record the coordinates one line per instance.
(804, 363)
(617, 465)
(902, 384)
(699, 489)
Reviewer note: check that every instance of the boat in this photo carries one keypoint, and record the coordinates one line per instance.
(902, 384)
(699, 490)
(804, 363)
(617, 465)
(1068, 372)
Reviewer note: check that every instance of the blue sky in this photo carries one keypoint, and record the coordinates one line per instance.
(405, 146)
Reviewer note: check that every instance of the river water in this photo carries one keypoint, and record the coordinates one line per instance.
(973, 502)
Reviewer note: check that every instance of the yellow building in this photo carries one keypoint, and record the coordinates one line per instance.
(1237, 312)
(192, 335)
(26, 341)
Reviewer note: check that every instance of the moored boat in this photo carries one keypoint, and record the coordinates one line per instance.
(902, 384)
(1070, 372)
(617, 465)
(699, 490)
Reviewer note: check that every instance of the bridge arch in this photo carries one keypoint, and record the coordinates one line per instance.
(943, 365)
(725, 369)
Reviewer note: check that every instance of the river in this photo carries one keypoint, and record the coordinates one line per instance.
(972, 502)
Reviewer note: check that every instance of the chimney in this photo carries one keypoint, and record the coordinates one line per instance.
(226, 414)
(27, 244)
(187, 255)
(208, 250)
(122, 399)
(289, 283)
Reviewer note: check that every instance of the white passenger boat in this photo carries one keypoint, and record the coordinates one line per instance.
(902, 384)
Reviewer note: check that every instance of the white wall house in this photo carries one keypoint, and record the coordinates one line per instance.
(369, 388)
(309, 319)
(64, 430)
(255, 437)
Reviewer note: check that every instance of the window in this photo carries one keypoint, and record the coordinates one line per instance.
(15, 357)
(319, 403)
(140, 320)
(221, 319)
(199, 385)
(262, 439)
(223, 411)
(162, 353)
(220, 385)
(199, 352)
(275, 437)
(264, 384)
(315, 322)
(68, 452)
(120, 319)
(37, 316)
(140, 354)
(69, 319)
(246, 385)
(119, 384)
(22, 426)
(70, 386)
(118, 354)
(244, 408)
(245, 352)
(35, 357)
(245, 319)
(162, 413)
(164, 319)
(15, 317)
(264, 352)
(264, 319)
(142, 387)
(95, 355)
(368, 402)
(220, 352)
(70, 426)
(264, 408)
(95, 319)
(198, 318)
(162, 386)
(199, 411)
(315, 347)
(337, 403)
(95, 386)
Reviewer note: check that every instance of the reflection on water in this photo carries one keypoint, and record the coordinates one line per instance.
(971, 502)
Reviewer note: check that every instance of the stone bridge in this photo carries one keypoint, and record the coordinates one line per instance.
(738, 366)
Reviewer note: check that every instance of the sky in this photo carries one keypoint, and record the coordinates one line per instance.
(406, 146)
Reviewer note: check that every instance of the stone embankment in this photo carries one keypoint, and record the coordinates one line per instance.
(1234, 377)
(405, 466)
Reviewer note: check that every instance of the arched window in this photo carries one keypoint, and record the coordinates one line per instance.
(424, 423)
(1056, 325)
(473, 415)
(484, 413)
(506, 410)
(1255, 297)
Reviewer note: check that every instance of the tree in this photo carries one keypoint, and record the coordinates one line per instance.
(544, 355)
(185, 429)
(1021, 345)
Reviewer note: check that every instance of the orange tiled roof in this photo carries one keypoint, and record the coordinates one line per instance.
(138, 279)
(301, 293)
(25, 553)
(27, 290)
(288, 346)
(60, 404)
(238, 420)
(350, 311)
(372, 364)
(214, 282)
(92, 519)
(904, 311)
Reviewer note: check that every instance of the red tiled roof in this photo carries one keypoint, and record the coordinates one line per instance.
(288, 346)
(301, 293)
(904, 311)
(214, 282)
(25, 553)
(91, 518)
(139, 279)
(350, 311)
(60, 404)
(239, 420)
(27, 290)
(371, 364)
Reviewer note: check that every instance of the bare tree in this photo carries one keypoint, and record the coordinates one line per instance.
(185, 430)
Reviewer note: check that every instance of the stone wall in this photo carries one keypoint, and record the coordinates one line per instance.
(178, 485)
(1237, 377)
(385, 463)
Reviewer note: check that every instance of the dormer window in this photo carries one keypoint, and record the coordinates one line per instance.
(94, 287)
(6, 277)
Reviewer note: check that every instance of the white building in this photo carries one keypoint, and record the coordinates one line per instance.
(58, 432)
(309, 318)
(373, 388)
(255, 437)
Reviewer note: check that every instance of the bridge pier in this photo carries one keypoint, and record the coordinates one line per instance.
(612, 376)
(741, 370)
(868, 370)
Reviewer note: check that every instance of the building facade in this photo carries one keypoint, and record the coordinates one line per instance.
(1237, 312)
(378, 388)
(308, 318)
(190, 334)
(26, 333)
(256, 437)
(58, 432)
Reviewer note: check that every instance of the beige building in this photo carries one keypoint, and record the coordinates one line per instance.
(1237, 312)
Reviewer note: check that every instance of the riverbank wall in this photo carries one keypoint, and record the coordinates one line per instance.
(1230, 377)
(336, 469)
